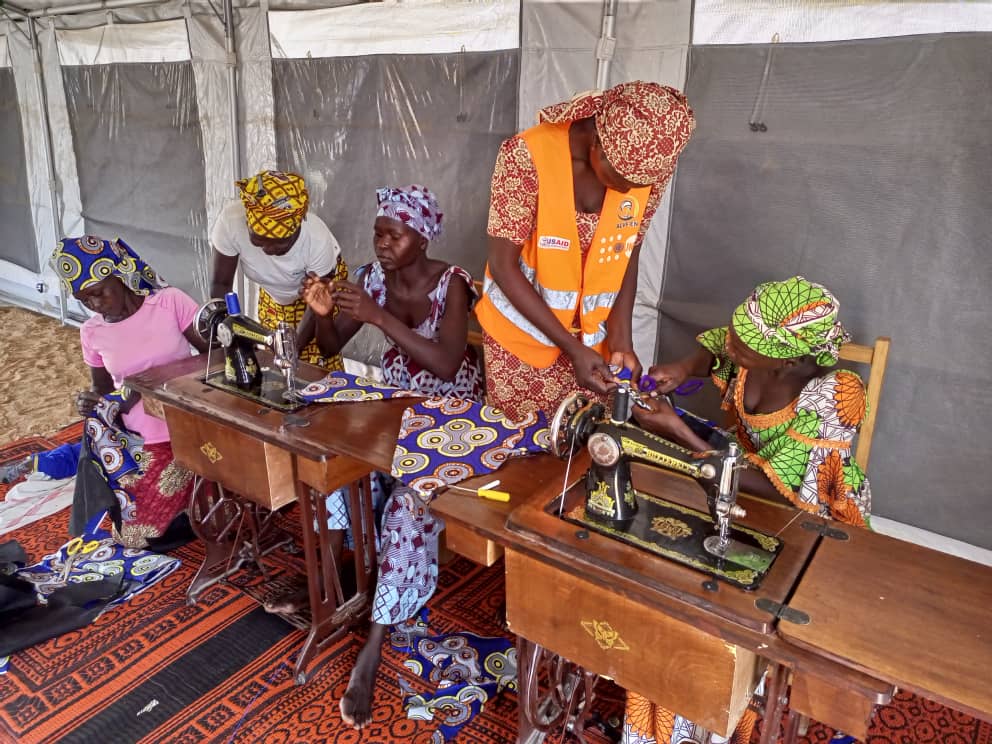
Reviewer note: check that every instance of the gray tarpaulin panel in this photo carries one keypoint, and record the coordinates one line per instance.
(18, 245)
(873, 179)
(140, 159)
(352, 124)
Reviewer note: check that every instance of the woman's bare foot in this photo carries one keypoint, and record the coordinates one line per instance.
(356, 703)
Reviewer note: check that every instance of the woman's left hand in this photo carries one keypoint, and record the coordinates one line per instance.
(353, 300)
(627, 360)
(660, 419)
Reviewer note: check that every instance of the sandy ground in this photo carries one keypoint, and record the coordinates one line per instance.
(41, 369)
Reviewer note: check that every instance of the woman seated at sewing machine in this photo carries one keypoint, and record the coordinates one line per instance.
(139, 322)
(421, 304)
(793, 415)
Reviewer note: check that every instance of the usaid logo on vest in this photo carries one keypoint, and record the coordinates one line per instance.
(557, 244)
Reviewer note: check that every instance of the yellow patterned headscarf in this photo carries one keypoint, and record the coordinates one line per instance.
(275, 203)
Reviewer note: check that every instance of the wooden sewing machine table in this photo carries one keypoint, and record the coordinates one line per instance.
(268, 458)
(881, 613)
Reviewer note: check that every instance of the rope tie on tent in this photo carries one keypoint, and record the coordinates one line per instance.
(755, 122)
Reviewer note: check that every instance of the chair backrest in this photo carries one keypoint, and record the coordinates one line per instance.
(876, 357)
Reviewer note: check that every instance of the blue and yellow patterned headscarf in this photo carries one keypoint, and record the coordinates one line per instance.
(82, 262)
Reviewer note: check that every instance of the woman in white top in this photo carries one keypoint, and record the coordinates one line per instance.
(277, 244)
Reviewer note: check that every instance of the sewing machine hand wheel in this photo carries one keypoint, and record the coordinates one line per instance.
(570, 427)
(207, 318)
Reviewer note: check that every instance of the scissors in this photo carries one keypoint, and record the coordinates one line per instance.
(74, 550)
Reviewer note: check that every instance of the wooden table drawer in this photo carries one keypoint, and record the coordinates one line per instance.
(833, 704)
(259, 471)
(668, 661)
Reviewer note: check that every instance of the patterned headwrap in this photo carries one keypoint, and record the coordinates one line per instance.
(790, 319)
(642, 127)
(414, 206)
(82, 262)
(275, 203)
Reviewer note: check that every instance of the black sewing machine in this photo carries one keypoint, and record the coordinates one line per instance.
(222, 321)
(612, 506)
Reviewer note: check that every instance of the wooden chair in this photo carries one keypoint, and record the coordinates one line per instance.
(876, 357)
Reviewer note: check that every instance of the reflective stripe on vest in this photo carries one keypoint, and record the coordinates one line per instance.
(502, 304)
(595, 339)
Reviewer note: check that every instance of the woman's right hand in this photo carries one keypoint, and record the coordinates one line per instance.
(669, 376)
(86, 402)
(591, 370)
(316, 293)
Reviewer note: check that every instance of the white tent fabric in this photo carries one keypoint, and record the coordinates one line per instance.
(159, 41)
(432, 27)
(786, 21)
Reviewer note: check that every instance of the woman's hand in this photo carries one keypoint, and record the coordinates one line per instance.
(317, 293)
(353, 300)
(627, 360)
(660, 419)
(591, 371)
(86, 402)
(669, 376)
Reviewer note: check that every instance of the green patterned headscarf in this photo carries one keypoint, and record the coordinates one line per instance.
(790, 319)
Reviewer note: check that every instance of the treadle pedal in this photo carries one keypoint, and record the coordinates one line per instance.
(782, 612)
(825, 529)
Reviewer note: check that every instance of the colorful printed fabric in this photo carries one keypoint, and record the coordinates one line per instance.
(642, 127)
(344, 387)
(513, 199)
(414, 206)
(520, 390)
(647, 723)
(467, 670)
(82, 262)
(408, 552)
(151, 488)
(399, 369)
(804, 448)
(790, 319)
(443, 441)
(275, 203)
(270, 313)
(139, 569)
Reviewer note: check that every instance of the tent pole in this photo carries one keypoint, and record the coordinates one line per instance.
(53, 185)
(606, 45)
(232, 87)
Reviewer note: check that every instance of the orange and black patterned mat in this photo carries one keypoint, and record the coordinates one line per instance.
(157, 671)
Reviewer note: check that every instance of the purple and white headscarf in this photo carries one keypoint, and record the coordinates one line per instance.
(414, 206)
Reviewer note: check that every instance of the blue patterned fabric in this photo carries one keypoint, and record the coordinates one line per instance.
(118, 451)
(443, 441)
(466, 669)
(342, 387)
(85, 261)
(140, 568)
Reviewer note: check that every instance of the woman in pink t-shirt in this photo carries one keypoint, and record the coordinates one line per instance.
(139, 322)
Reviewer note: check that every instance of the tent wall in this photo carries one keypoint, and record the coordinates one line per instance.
(371, 121)
(18, 245)
(876, 186)
(139, 156)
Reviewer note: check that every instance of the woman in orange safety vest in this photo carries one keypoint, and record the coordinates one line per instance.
(571, 200)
